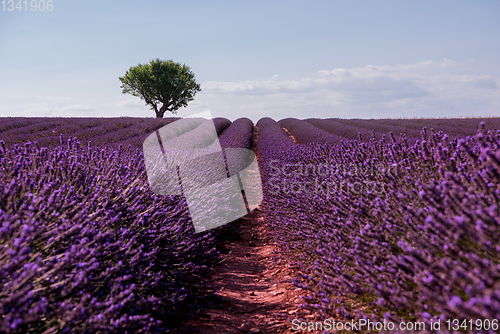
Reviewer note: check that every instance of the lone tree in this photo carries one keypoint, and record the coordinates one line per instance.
(161, 82)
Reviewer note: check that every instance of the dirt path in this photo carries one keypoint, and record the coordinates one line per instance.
(255, 283)
(258, 290)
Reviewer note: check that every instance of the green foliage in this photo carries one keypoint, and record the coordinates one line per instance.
(161, 82)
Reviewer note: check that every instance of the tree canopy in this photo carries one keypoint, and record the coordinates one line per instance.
(161, 82)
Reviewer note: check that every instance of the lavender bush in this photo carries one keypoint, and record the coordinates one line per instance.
(100, 131)
(459, 126)
(86, 247)
(380, 129)
(387, 229)
(339, 129)
(238, 135)
(305, 132)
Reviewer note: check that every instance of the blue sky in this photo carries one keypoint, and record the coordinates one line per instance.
(348, 59)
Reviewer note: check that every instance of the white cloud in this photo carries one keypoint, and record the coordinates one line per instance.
(38, 111)
(423, 89)
(134, 103)
(46, 110)
(426, 88)
(52, 98)
(76, 107)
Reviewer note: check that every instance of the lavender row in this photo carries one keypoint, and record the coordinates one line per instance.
(86, 247)
(52, 127)
(339, 129)
(380, 129)
(122, 131)
(305, 132)
(274, 145)
(221, 124)
(272, 142)
(99, 131)
(462, 126)
(459, 129)
(136, 135)
(239, 134)
(462, 123)
(391, 230)
(9, 123)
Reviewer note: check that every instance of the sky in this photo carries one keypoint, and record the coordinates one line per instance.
(279, 59)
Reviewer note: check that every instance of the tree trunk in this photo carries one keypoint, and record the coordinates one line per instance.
(161, 112)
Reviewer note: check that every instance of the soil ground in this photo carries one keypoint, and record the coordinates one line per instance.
(254, 281)
(255, 284)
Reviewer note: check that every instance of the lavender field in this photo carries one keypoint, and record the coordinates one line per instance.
(380, 219)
